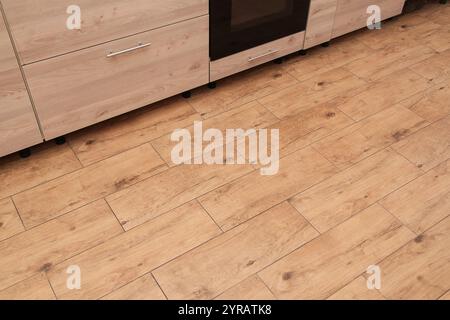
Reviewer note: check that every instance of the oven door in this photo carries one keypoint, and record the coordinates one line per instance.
(238, 25)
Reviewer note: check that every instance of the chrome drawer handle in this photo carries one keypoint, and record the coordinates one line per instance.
(270, 52)
(139, 46)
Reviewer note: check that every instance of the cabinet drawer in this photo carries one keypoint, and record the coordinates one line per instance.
(40, 31)
(352, 15)
(18, 125)
(250, 58)
(78, 89)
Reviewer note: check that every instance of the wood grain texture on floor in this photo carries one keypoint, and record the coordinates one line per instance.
(235, 255)
(329, 262)
(364, 179)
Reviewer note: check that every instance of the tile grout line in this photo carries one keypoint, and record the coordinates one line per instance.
(395, 217)
(204, 209)
(446, 292)
(75, 154)
(266, 285)
(307, 220)
(270, 112)
(159, 155)
(51, 287)
(114, 214)
(159, 286)
(21, 220)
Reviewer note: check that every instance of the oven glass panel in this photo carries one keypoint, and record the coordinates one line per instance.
(238, 25)
(245, 13)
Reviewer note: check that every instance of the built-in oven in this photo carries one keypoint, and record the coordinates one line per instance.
(238, 25)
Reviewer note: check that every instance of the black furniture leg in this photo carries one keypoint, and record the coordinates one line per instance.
(302, 52)
(443, 1)
(326, 44)
(186, 94)
(25, 153)
(278, 61)
(212, 85)
(60, 140)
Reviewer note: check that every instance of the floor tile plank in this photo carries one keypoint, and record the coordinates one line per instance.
(232, 257)
(133, 254)
(252, 194)
(327, 263)
(311, 93)
(359, 141)
(428, 147)
(130, 130)
(303, 129)
(406, 31)
(384, 93)
(338, 198)
(435, 68)
(440, 39)
(240, 89)
(357, 290)
(250, 289)
(431, 104)
(421, 269)
(423, 202)
(144, 288)
(170, 189)
(10, 223)
(34, 288)
(248, 116)
(386, 61)
(319, 60)
(79, 188)
(39, 249)
(48, 162)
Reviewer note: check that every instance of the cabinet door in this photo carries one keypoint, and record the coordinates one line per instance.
(39, 27)
(18, 125)
(91, 85)
(320, 22)
(352, 15)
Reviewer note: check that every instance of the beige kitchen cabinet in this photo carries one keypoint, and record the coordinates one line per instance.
(352, 15)
(76, 90)
(40, 30)
(320, 22)
(18, 125)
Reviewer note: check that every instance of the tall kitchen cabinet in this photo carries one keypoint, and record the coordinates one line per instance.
(352, 15)
(18, 124)
(329, 19)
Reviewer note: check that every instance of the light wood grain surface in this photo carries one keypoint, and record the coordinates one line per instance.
(41, 33)
(18, 125)
(85, 87)
(364, 180)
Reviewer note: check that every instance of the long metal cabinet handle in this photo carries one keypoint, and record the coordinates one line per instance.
(139, 46)
(270, 52)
